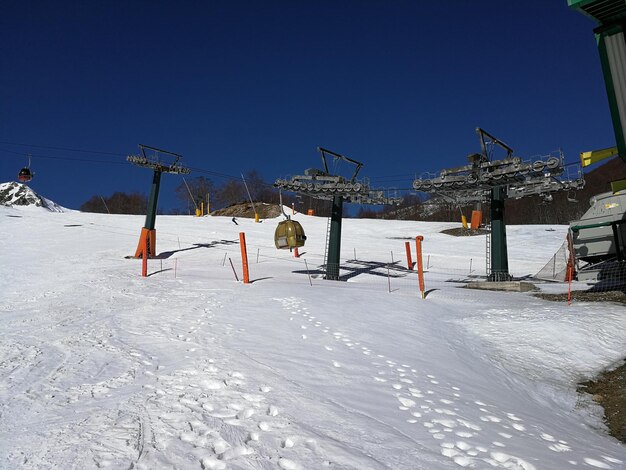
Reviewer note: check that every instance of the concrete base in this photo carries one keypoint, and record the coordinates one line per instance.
(508, 286)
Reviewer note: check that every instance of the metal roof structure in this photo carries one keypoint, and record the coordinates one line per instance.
(611, 18)
(603, 11)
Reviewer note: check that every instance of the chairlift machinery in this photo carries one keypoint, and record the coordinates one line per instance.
(321, 184)
(486, 179)
(159, 166)
(471, 182)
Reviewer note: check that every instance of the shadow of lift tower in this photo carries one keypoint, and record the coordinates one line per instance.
(320, 184)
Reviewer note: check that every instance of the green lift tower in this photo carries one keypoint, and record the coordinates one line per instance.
(321, 184)
(485, 179)
(148, 232)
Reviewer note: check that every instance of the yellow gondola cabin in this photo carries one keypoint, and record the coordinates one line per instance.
(289, 234)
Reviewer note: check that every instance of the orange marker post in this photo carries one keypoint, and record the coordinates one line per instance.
(420, 267)
(144, 258)
(295, 253)
(477, 219)
(244, 257)
(409, 260)
(569, 275)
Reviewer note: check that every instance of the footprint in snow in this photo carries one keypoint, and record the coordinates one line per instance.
(287, 464)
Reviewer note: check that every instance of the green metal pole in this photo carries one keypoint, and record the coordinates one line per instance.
(152, 202)
(334, 240)
(499, 255)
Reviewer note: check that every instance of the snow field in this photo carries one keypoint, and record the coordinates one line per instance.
(102, 368)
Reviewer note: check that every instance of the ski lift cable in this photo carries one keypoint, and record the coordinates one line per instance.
(73, 159)
(90, 160)
(68, 149)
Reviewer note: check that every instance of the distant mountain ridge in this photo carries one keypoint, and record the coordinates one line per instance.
(17, 194)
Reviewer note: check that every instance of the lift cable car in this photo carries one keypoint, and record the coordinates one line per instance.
(289, 234)
(25, 175)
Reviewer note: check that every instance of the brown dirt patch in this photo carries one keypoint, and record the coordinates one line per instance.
(245, 210)
(609, 391)
(587, 296)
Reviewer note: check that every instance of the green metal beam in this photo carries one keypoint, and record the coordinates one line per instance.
(334, 239)
(499, 254)
(152, 202)
(611, 18)
(612, 52)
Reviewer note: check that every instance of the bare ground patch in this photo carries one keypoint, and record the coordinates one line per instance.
(609, 388)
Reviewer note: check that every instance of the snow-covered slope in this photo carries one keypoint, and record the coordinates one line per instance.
(17, 194)
(189, 368)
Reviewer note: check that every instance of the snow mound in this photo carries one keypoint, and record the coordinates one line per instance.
(17, 194)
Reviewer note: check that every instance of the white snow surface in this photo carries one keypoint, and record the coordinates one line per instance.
(188, 368)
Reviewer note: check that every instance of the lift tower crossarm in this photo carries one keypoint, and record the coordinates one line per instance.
(494, 140)
(147, 162)
(324, 151)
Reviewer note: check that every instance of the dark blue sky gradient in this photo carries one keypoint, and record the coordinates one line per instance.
(241, 85)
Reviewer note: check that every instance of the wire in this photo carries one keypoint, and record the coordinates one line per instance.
(88, 160)
(216, 174)
(62, 148)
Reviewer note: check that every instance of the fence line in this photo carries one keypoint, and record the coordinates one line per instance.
(388, 276)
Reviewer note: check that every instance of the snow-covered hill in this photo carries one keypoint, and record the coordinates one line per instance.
(17, 194)
(189, 368)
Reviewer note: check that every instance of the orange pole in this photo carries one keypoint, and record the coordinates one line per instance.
(144, 260)
(420, 267)
(244, 257)
(569, 275)
(295, 252)
(409, 261)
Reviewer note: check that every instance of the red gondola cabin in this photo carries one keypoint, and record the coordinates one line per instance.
(24, 176)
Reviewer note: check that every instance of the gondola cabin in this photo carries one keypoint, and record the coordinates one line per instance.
(289, 234)
(25, 175)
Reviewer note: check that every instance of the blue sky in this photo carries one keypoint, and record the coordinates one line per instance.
(241, 85)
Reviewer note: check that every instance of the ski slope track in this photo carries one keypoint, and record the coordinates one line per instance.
(190, 369)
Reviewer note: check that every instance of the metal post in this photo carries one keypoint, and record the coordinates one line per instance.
(409, 261)
(334, 240)
(420, 266)
(499, 255)
(308, 273)
(152, 202)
